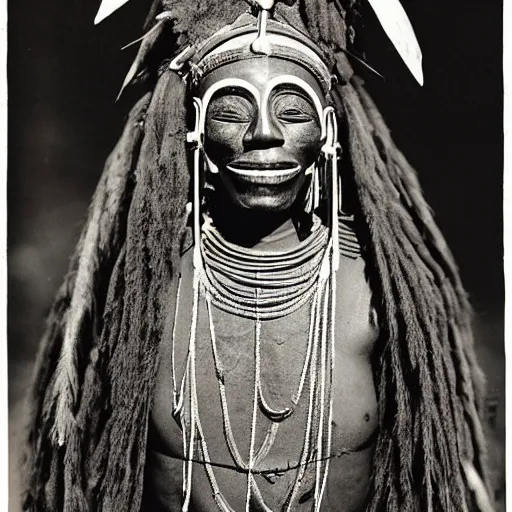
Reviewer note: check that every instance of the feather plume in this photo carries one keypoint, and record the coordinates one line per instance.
(148, 41)
(476, 484)
(108, 7)
(398, 28)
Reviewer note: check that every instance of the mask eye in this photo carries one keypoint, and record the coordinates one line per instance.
(290, 107)
(294, 115)
(230, 108)
(230, 116)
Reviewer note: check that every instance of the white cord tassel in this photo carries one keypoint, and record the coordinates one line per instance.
(194, 138)
(323, 375)
(330, 150)
(217, 495)
(313, 335)
(396, 24)
(193, 395)
(175, 392)
(332, 300)
(254, 410)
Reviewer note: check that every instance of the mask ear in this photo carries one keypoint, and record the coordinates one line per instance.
(108, 7)
(330, 151)
(329, 127)
(196, 136)
(326, 176)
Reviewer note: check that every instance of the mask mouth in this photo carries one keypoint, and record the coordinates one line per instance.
(264, 173)
(260, 164)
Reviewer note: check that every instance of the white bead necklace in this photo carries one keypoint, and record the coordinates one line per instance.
(264, 285)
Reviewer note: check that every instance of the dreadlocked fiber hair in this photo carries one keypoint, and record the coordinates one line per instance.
(428, 382)
(102, 237)
(429, 385)
(132, 332)
(100, 464)
(87, 436)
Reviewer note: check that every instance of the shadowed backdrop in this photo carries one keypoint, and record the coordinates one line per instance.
(64, 75)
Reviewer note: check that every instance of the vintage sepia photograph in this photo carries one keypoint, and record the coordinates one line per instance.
(255, 256)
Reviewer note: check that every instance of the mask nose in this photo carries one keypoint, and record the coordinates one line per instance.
(263, 134)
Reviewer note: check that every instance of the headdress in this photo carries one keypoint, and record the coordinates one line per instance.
(97, 363)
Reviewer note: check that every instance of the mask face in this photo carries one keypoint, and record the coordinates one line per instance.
(262, 130)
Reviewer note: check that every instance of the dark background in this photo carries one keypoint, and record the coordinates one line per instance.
(64, 75)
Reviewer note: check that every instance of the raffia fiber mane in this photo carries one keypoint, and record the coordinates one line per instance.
(428, 383)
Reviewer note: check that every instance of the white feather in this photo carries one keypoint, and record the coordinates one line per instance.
(107, 7)
(266, 4)
(398, 28)
(476, 484)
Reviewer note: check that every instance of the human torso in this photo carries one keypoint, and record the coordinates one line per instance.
(283, 352)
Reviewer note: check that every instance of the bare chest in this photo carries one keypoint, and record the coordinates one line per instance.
(282, 363)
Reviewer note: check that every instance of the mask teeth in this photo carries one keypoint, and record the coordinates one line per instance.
(261, 44)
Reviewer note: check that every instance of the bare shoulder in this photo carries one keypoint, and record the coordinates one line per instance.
(356, 318)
